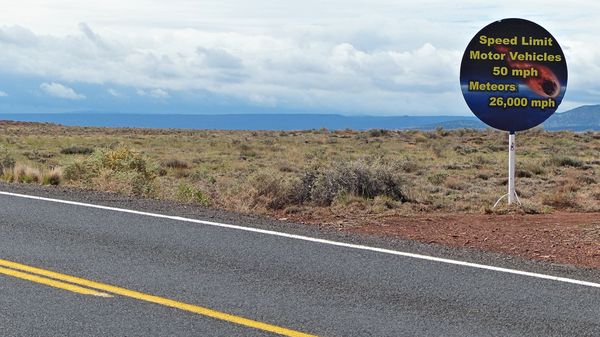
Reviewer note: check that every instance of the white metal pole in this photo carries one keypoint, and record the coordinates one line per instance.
(512, 195)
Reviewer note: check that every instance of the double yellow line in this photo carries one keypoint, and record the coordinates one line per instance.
(51, 282)
(87, 287)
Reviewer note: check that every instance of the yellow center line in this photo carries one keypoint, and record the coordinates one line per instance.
(155, 299)
(52, 283)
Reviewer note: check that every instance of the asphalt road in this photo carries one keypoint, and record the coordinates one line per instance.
(309, 287)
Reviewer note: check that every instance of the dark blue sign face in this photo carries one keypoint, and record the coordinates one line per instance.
(513, 75)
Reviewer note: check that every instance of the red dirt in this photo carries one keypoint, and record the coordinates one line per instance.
(570, 238)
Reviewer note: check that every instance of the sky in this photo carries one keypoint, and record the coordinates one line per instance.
(378, 57)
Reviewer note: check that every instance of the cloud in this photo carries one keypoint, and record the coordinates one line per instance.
(156, 93)
(265, 69)
(159, 93)
(61, 91)
(18, 36)
(114, 92)
(386, 58)
(88, 32)
(219, 58)
(3, 94)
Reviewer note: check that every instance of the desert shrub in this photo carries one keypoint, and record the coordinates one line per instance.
(189, 193)
(175, 164)
(409, 165)
(464, 150)
(440, 131)
(302, 190)
(536, 168)
(560, 199)
(455, 184)
(385, 202)
(246, 151)
(286, 167)
(437, 178)
(347, 199)
(179, 173)
(559, 160)
(361, 178)
(271, 190)
(202, 175)
(38, 156)
(53, 177)
(495, 147)
(479, 161)
(521, 173)
(377, 132)
(7, 162)
(77, 150)
(439, 149)
(586, 179)
(483, 175)
(118, 170)
(80, 171)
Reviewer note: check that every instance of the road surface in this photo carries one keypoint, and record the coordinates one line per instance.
(76, 270)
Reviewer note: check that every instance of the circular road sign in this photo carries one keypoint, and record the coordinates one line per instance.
(513, 75)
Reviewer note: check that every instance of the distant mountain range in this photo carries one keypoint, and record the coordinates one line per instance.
(583, 118)
(579, 119)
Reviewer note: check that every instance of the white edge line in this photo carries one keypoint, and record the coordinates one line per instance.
(322, 241)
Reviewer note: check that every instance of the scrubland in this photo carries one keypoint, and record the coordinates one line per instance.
(346, 173)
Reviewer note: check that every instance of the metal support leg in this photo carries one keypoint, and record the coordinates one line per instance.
(512, 193)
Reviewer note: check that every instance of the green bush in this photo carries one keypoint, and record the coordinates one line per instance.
(188, 193)
(80, 171)
(119, 170)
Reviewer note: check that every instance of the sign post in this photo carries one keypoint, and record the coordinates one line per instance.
(512, 192)
(513, 76)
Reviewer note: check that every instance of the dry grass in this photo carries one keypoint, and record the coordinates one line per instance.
(21, 173)
(303, 171)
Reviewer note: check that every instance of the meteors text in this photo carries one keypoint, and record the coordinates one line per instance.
(487, 86)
